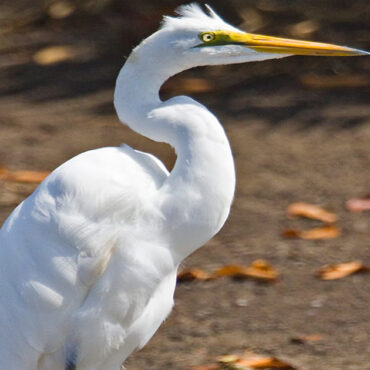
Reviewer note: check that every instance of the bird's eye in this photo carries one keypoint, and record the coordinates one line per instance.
(207, 37)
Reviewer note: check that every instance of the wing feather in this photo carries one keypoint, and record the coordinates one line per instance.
(58, 242)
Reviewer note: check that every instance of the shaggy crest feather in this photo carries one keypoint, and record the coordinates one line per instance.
(192, 16)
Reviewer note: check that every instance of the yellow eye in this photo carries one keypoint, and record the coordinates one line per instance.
(207, 37)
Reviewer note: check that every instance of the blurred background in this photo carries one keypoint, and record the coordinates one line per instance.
(299, 129)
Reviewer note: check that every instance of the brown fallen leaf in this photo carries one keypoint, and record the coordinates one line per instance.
(229, 270)
(22, 176)
(311, 211)
(253, 361)
(304, 28)
(205, 367)
(194, 274)
(54, 54)
(61, 9)
(259, 269)
(227, 359)
(341, 270)
(189, 85)
(358, 204)
(335, 81)
(321, 232)
(307, 338)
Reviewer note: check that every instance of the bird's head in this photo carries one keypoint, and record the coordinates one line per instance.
(196, 38)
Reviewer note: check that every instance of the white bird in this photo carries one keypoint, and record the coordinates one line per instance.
(88, 262)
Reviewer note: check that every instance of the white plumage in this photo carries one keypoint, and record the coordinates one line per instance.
(88, 262)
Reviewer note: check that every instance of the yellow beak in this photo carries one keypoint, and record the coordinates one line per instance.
(269, 44)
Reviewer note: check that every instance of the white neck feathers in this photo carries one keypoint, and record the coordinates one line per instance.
(198, 193)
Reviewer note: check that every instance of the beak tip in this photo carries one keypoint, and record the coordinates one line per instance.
(363, 52)
(359, 52)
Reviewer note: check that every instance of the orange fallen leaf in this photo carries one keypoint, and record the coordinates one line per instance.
(61, 9)
(259, 269)
(227, 359)
(292, 233)
(194, 274)
(311, 211)
(304, 28)
(229, 270)
(189, 85)
(335, 81)
(341, 270)
(358, 204)
(4, 173)
(322, 232)
(196, 85)
(307, 338)
(23, 176)
(206, 367)
(253, 361)
(54, 54)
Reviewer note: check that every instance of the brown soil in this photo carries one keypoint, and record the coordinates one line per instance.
(291, 142)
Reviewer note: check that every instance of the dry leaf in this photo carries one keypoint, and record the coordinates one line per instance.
(197, 85)
(4, 173)
(190, 85)
(358, 204)
(332, 272)
(28, 176)
(259, 269)
(311, 211)
(322, 232)
(312, 337)
(194, 274)
(61, 9)
(228, 359)
(54, 54)
(253, 361)
(205, 367)
(307, 338)
(304, 28)
(335, 81)
(253, 20)
(230, 270)
(22, 176)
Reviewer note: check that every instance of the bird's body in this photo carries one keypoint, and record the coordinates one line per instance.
(72, 276)
(88, 262)
(106, 271)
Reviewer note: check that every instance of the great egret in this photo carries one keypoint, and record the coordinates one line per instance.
(88, 262)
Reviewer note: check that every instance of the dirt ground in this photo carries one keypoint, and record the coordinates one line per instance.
(292, 141)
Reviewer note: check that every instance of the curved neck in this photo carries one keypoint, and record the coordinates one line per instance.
(138, 84)
(196, 197)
